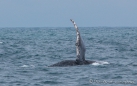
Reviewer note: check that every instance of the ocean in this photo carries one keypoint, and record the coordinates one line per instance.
(26, 53)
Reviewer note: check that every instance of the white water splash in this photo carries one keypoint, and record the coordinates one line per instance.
(97, 63)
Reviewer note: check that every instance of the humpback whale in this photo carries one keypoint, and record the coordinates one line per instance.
(80, 52)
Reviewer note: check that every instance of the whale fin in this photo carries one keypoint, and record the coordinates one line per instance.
(80, 47)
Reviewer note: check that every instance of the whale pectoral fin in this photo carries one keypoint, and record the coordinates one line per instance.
(80, 47)
(76, 44)
(76, 27)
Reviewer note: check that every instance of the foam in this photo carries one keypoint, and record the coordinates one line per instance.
(100, 63)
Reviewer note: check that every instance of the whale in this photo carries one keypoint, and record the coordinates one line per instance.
(80, 52)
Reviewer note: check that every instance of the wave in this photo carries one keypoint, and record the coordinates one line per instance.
(1, 42)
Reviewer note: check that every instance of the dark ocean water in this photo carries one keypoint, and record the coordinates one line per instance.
(25, 54)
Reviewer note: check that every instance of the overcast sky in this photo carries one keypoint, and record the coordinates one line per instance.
(57, 13)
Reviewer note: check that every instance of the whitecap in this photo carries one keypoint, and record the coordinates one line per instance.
(1, 42)
(24, 66)
(28, 66)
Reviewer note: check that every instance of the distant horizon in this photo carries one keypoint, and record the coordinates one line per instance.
(79, 27)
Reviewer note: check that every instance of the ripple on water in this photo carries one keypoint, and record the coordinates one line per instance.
(50, 82)
(25, 53)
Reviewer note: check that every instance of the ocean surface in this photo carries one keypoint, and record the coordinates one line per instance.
(26, 53)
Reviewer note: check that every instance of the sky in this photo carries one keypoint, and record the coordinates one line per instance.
(57, 13)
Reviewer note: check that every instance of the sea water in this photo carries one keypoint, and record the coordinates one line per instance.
(26, 53)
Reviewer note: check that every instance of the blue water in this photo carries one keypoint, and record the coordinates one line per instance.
(25, 54)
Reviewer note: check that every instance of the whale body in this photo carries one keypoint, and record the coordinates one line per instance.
(80, 53)
(66, 63)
